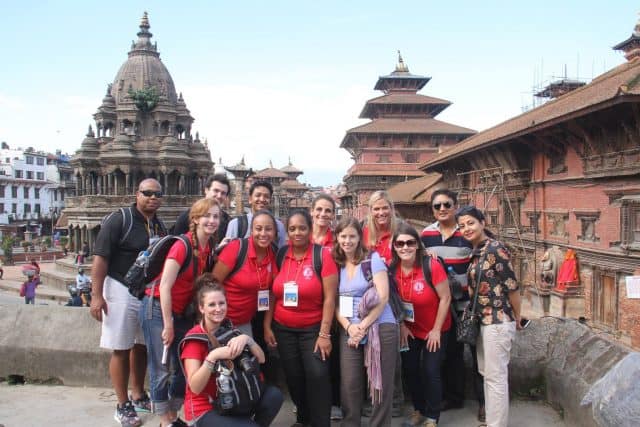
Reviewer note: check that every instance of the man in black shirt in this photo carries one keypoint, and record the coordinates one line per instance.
(218, 188)
(122, 236)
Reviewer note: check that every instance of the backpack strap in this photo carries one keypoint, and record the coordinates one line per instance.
(365, 267)
(317, 260)
(243, 226)
(241, 258)
(127, 224)
(189, 256)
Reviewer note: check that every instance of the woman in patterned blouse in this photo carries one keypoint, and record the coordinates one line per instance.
(491, 275)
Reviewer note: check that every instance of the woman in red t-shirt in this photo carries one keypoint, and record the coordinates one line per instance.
(251, 282)
(323, 211)
(299, 321)
(380, 225)
(162, 310)
(426, 322)
(199, 365)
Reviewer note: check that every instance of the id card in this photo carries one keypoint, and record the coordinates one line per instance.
(290, 294)
(346, 306)
(409, 314)
(263, 300)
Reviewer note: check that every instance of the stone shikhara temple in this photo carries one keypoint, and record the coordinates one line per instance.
(143, 129)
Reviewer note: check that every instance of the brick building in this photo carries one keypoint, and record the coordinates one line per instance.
(566, 175)
(402, 134)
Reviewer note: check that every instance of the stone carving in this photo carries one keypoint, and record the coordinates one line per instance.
(549, 267)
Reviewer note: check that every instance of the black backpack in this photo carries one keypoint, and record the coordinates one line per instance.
(242, 254)
(316, 258)
(127, 222)
(150, 262)
(238, 382)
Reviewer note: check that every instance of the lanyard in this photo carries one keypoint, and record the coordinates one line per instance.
(259, 269)
(300, 262)
(402, 285)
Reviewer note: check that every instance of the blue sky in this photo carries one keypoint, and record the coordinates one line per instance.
(269, 80)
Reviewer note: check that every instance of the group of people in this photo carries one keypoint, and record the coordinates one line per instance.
(309, 294)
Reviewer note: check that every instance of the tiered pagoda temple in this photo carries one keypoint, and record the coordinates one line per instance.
(402, 134)
(143, 129)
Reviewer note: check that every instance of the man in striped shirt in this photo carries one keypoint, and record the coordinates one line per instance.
(443, 239)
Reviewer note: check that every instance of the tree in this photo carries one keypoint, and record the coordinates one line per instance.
(7, 247)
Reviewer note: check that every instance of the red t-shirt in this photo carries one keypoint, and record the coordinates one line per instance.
(413, 288)
(310, 292)
(327, 240)
(382, 246)
(242, 288)
(182, 289)
(197, 404)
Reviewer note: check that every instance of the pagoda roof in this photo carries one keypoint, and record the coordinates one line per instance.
(614, 86)
(417, 190)
(290, 168)
(292, 184)
(404, 99)
(271, 172)
(407, 126)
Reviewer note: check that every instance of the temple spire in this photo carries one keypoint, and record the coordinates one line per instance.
(631, 46)
(144, 37)
(401, 67)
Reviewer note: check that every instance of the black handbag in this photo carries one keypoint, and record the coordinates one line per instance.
(468, 326)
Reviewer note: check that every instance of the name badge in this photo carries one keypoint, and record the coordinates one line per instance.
(290, 294)
(346, 306)
(263, 300)
(409, 314)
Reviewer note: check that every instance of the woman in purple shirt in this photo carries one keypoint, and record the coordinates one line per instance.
(369, 335)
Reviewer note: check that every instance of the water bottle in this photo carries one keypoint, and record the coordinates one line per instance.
(225, 391)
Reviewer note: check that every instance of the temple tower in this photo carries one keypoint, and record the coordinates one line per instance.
(143, 129)
(401, 135)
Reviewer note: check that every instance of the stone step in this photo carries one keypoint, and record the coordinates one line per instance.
(57, 279)
(67, 265)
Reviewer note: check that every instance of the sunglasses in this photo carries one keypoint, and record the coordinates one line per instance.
(149, 193)
(399, 244)
(437, 206)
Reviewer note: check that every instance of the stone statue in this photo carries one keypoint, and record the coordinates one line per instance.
(549, 267)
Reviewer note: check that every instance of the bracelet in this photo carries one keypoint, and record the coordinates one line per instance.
(209, 365)
(323, 335)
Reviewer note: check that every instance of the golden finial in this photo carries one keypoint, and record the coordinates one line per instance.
(401, 66)
(144, 22)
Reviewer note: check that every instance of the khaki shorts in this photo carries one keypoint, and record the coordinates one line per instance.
(120, 327)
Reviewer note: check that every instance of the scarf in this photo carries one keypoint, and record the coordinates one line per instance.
(369, 300)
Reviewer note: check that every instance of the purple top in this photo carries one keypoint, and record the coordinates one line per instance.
(357, 286)
(30, 289)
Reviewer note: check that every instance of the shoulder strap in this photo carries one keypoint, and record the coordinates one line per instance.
(365, 266)
(317, 260)
(280, 254)
(426, 272)
(241, 258)
(127, 224)
(243, 225)
(189, 256)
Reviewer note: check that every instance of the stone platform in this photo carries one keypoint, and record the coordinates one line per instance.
(63, 273)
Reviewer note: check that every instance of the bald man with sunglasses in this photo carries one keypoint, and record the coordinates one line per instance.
(124, 234)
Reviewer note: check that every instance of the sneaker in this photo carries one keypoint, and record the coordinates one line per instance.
(336, 413)
(178, 423)
(414, 420)
(126, 415)
(143, 404)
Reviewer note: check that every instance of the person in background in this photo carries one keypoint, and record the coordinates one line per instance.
(260, 194)
(83, 284)
(299, 322)
(163, 314)
(199, 365)
(218, 188)
(369, 330)
(1, 268)
(426, 325)
(443, 239)
(29, 287)
(115, 307)
(491, 275)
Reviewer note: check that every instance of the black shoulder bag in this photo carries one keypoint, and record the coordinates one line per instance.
(468, 326)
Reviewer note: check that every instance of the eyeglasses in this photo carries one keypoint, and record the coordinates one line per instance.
(437, 206)
(399, 244)
(149, 193)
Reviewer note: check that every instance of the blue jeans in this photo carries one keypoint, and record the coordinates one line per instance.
(167, 381)
(422, 371)
(267, 409)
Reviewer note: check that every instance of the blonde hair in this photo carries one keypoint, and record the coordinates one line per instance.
(371, 226)
(198, 210)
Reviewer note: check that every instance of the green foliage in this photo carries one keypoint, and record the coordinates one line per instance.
(46, 241)
(145, 99)
(7, 247)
